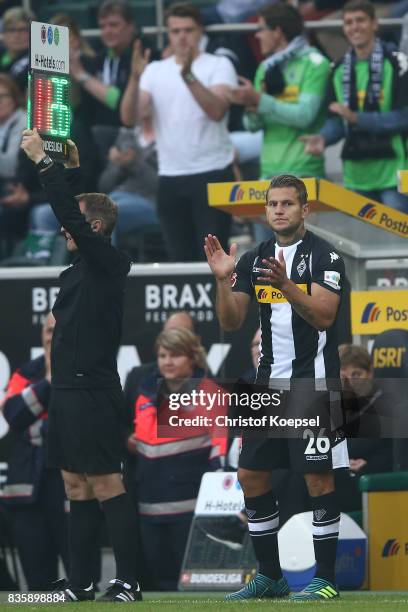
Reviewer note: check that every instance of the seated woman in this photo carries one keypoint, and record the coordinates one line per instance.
(13, 204)
(169, 469)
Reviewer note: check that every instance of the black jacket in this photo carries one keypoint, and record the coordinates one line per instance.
(25, 409)
(89, 306)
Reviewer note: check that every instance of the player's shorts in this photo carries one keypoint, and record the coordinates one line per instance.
(309, 455)
(86, 432)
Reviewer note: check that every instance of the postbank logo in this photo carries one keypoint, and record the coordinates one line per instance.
(266, 294)
(373, 312)
(370, 313)
(368, 211)
(236, 194)
(391, 548)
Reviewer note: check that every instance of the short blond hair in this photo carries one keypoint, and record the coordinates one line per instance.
(15, 14)
(183, 342)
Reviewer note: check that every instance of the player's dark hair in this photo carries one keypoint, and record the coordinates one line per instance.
(283, 16)
(352, 355)
(184, 9)
(289, 180)
(100, 206)
(365, 6)
(116, 7)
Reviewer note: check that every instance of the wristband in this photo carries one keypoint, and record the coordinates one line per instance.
(45, 163)
(189, 78)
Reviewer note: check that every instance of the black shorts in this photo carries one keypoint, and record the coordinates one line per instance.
(86, 430)
(312, 455)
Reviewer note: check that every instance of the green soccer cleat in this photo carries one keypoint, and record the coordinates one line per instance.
(318, 590)
(261, 587)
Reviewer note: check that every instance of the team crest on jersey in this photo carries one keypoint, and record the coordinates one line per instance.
(301, 267)
(233, 279)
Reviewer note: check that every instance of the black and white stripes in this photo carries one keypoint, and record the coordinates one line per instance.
(324, 527)
(264, 526)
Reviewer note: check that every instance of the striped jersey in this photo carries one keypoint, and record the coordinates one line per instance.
(290, 346)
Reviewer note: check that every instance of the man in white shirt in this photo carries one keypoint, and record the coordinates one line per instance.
(187, 97)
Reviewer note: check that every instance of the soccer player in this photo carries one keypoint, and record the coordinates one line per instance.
(86, 403)
(298, 341)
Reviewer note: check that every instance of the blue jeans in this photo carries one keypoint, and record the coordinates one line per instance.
(42, 219)
(134, 211)
(390, 197)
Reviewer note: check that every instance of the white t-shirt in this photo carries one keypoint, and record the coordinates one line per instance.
(188, 141)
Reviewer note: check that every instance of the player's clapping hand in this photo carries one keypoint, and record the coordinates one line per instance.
(275, 271)
(221, 264)
(32, 145)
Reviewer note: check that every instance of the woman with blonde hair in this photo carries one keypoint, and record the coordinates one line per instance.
(172, 459)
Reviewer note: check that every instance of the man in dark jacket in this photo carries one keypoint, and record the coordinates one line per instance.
(34, 492)
(86, 403)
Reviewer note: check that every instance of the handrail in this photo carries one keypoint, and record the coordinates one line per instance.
(330, 24)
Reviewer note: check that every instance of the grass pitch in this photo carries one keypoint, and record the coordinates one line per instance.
(210, 602)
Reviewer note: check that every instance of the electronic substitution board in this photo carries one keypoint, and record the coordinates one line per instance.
(48, 107)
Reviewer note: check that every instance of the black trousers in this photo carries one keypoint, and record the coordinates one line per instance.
(40, 533)
(163, 544)
(186, 217)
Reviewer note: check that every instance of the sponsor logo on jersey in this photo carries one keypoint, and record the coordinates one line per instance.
(370, 313)
(334, 256)
(368, 211)
(236, 194)
(266, 294)
(332, 278)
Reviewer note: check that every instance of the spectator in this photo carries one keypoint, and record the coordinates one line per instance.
(82, 104)
(131, 392)
(105, 80)
(34, 492)
(187, 96)
(130, 179)
(169, 470)
(12, 122)
(15, 59)
(369, 453)
(178, 320)
(368, 98)
(287, 96)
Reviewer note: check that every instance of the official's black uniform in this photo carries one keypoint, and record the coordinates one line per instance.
(291, 349)
(86, 407)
